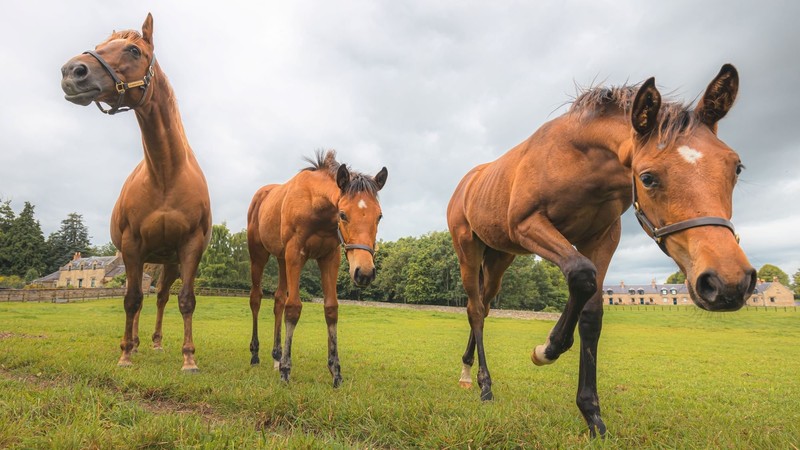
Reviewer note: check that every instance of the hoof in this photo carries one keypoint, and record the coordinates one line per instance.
(158, 348)
(487, 396)
(466, 384)
(254, 361)
(190, 369)
(538, 357)
(337, 382)
(124, 364)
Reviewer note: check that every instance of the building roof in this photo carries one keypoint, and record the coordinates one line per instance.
(102, 261)
(52, 277)
(645, 289)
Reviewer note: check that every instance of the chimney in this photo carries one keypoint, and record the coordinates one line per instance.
(622, 285)
(774, 279)
(653, 283)
(76, 256)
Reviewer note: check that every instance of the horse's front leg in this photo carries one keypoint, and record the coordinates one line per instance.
(189, 256)
(329, 270)
(294, 262)
(133, 304)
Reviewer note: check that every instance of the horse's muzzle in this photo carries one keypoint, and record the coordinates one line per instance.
(363, 278)
(713, 294)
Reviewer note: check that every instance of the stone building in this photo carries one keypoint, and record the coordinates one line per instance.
(91, 272)
(765, 294)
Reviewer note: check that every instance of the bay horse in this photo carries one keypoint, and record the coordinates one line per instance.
(163, 213)
(560, 194)
(322, 207)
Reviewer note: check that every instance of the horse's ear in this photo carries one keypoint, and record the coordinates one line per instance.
(644, 113)
(147, 29)
(380, 178)
(342, 177)
(719, 97)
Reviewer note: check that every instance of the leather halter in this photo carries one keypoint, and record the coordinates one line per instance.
(658, 233)
(122, 87)
(348, 247)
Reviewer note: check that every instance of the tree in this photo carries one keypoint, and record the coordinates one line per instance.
(676, 278)
(72, 237)
(796, 284)
(6, 222)
(216, 266)
(107, 249)
(23, 245)
(768, 271)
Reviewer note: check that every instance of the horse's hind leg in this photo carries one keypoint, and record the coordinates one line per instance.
(169, 273)
(329, 270)
(258, 259)
(189, 256)
(490, 279)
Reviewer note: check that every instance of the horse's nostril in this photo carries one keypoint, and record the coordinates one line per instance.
(708, 285)
(80, 70)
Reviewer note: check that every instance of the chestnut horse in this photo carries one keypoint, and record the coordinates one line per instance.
(163, 214)
(309, 217)
(560, 195)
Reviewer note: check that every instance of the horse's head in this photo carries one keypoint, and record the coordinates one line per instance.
(359, 214)
(113, 71)
(683, 180)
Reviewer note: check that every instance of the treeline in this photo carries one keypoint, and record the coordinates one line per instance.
(410, 270)
(25, 254)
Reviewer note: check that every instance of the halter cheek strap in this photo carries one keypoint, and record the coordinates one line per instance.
(658, 233)
(122, 86)
(348, 247)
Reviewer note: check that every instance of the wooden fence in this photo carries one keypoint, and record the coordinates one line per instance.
(78, 295)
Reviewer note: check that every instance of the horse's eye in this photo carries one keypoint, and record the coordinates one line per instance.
(380, 216)
(648, 180)
(135, 51)
(739, 169)
(342, 216)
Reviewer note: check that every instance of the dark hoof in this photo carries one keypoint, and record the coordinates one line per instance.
(254, 361)
(337, 381)
(486, 395)
(596, 426)
(190, 370)
(285, 375)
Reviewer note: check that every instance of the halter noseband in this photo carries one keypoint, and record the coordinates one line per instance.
(658, 233)
(122, 87)
(348, 247)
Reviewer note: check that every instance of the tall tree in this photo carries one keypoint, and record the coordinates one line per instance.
(768, 271)
(796, 284)
(6, 221)
(107, 249)
(72, 237)
(23, 245)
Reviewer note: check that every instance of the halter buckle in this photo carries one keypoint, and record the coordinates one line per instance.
(120, 87)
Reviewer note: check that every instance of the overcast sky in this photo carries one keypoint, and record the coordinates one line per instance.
(428, 89)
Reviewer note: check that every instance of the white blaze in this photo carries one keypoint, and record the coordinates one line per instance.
(362, 204)
(689, 154)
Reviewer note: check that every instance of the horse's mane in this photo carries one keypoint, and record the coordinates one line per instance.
(675, 119)
(125, 34)
(326, 161)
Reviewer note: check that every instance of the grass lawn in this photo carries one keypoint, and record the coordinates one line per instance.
(667, 379)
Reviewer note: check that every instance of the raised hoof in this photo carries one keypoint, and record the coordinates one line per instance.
(190, 370)
(538, 357)
(465, 384)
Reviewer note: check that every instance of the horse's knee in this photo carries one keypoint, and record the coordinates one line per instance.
(590, 323)
(186, 303)
(581, 277)
(331, 314)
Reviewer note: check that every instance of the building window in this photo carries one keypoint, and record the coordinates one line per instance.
(69, 267)
(69, 282)
(94, 265)
(674, 300)
(663, 292)
(80, 282)
(640, 291)
(92, 282)
(632, 291)
(610, 291)
(665, 300)
(673, 291)
(772, 299)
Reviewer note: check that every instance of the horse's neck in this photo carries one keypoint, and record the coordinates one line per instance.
(612, 132)
(166, 148)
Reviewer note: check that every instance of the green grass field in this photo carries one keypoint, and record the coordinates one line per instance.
(667, 379)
